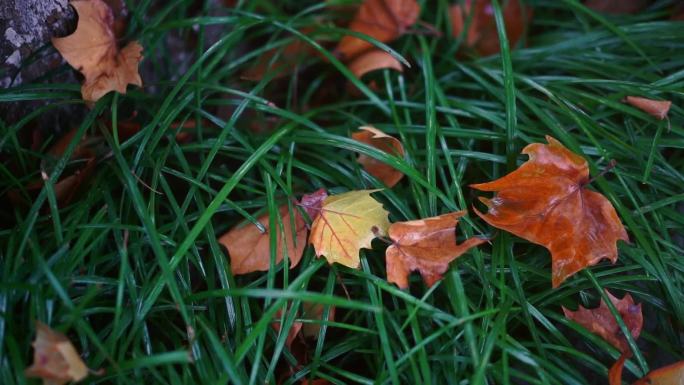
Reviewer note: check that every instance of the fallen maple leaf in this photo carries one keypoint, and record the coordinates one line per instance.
(655, 108)
(250, 250)
(383, 20)
(55, 359)
(371, 136)
(345, 224)
(545, 201)
(616, 7)
(427, 245)
(92, 50)
(482, 35)
(600, 320)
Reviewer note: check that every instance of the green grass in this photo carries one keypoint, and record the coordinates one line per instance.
(128, 267)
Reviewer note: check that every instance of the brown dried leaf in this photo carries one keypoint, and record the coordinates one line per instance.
(72, 179)
(427, 245)
(546, 202)
(92, 50)
(372, 61)
(249, 248)
(482, 35)
(383, 142)
(289, 58)
(383, 20)
(600, 320)
(55, 359)
(312, 311)
(655, 108)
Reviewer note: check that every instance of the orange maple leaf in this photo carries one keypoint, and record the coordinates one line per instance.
(545, 201)
(427, 245)
(383, 20)
(92, 50)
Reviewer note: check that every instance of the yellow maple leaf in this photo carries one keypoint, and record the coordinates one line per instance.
(345, 224)
(92, 50)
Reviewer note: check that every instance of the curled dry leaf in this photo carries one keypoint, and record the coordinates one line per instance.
(600, 320)
(92, 50)
(383, 20)
(546, 202)
(82, 165)
(383, 142)
(373, 60)
(427, 245)
(281, 61)
(655, 108)
(249, 248)
(616, 7)
(482, 35)
(345, 224)
(292, 333)
(55, 359)
(314, 312)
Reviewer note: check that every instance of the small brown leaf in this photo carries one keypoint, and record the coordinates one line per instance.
(92, 50)
(289, 58)
(55, 359)
(482, 35)
(427, 245)
(83, 161)
(292, 333)
(314, 312)
(249, 248)
(383, 142)
(655, 108)
(600, 320)
(373, 60)
(383, 20)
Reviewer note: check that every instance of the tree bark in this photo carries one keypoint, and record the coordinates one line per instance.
(26, 26)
